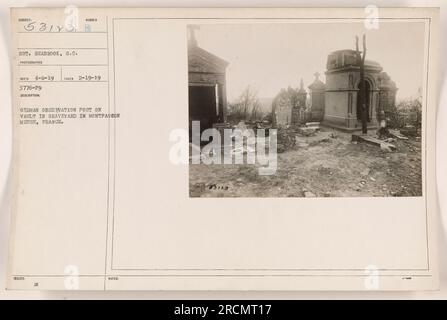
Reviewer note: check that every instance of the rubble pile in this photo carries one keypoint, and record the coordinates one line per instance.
(286, 139)
(301, 137)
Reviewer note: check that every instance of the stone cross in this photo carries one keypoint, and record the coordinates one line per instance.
(192, 35)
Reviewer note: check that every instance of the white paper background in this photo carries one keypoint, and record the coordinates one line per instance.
(5, 152)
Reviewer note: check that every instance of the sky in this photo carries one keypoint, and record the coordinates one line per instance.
(271, 56)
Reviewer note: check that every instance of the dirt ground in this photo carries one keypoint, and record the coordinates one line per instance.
(334, 167)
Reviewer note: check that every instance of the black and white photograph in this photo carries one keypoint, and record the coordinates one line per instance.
(242, 153)
(310, 109)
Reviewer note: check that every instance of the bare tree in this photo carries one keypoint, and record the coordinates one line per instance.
(293, 97)
(247, 106)
(255, 110)
(362, 93)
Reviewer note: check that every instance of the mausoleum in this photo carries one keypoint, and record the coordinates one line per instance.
(342, 108)
(207, 85)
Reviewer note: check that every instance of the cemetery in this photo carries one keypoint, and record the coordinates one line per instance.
(345, 137)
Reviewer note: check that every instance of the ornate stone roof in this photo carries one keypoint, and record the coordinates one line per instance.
(341, 60)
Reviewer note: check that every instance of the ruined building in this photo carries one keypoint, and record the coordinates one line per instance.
(335, 103)
(207, 85)
(342, 108)
(289, 106)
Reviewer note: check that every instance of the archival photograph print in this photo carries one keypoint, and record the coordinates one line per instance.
(329, 109)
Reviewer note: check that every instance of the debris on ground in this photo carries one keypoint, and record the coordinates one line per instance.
(365, 172)
(285, 139)
(307, 131)
(396, 134)
(387, 147)
(409, 130)
(242, 150)
(313, 125)
(389, 140)
(335, 168)
(384, 146)
(320, 137)
(309, 194)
